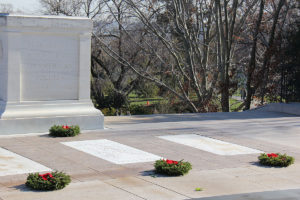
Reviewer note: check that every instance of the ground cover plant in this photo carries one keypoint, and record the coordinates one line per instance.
(172, 168)
(276, 160)
(64, 131)
(48, 181)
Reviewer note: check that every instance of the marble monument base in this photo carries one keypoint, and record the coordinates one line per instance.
(39, 116)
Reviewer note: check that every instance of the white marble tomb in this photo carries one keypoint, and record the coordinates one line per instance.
(12, 164)
(113, 151)
(45, 73)
(210, 145)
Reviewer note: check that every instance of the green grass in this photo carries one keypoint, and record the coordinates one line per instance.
(144, 102)
(132, 95)
(135, 100)
(234, 104)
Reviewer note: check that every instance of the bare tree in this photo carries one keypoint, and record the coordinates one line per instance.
(6, 8)
(267, 54)
(199, 57)
(187, 41)
(110, 29)
(252, 62)
(89, 8)
(194, 49)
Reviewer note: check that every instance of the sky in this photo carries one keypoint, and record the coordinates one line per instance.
(26, 6)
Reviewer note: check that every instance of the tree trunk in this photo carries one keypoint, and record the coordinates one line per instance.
(267, 56)
(226, 39)
(252, 62)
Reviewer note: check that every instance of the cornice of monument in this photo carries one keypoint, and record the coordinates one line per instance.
(45, 22)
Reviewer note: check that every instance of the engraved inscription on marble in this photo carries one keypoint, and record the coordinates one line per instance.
(49, 67)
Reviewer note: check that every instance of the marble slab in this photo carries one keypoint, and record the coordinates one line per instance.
(209, 144)
(11, 164)
(113, 151)
(45, 74)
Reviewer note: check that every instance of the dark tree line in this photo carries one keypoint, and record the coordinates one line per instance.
(199, 52)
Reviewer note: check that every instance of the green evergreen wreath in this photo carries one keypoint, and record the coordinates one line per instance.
(172, 168)
(48, 181)
(275, 159)
(64, 131)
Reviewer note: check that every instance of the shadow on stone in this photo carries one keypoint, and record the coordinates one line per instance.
(153, 174)
(263, 166)
(46, 136)
(291, 194)
(24, 188)
(158, 118)
(256, 163)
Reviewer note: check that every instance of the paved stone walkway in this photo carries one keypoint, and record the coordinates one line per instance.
(271, 195)
(95, 178)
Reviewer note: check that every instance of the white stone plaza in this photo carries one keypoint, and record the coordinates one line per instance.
(99, 161)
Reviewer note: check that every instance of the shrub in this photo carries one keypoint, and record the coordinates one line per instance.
(140, 110)
(170, 107)
(172, 168)
(108, 111)
(64, 131)
(146, 89)
(48, 181)
(275, 160)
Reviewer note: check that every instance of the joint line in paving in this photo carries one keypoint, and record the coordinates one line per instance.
(164, 187)
(123, 190)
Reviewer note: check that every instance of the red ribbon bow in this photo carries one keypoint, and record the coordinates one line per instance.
(65, 127)
(171, 162)
(46, 176)
(272, 155)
